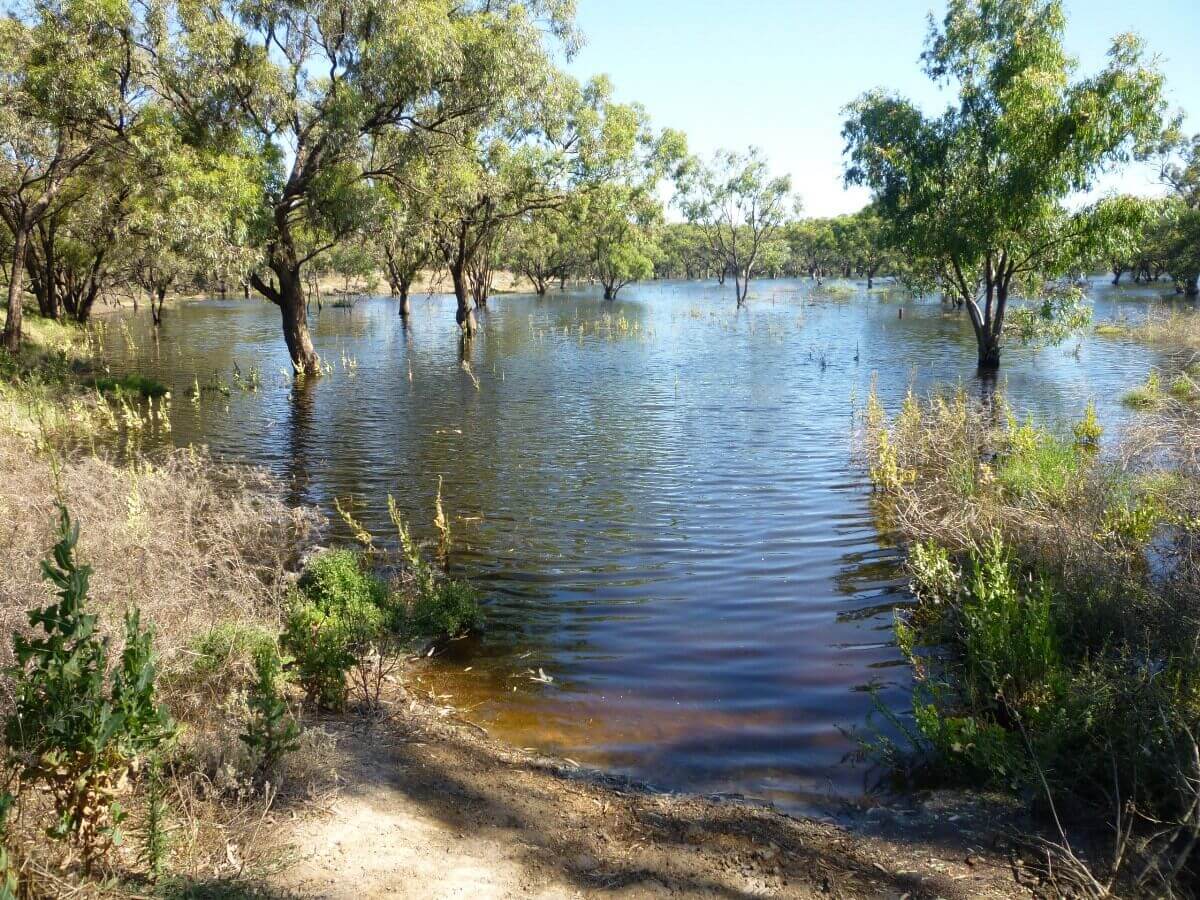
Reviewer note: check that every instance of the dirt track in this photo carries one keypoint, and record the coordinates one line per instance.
(433, 808)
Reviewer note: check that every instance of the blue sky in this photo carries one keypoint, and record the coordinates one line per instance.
(776, 73)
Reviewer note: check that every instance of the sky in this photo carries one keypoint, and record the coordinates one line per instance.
(776, 73)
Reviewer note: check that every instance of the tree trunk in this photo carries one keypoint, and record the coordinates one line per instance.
(289, 297)
(609, 293)
(11, 338)
(156, 304)
(989, 352)
(405, 305)
(464, 314)
(295, 326)
(1192, 287)
(1117, 273)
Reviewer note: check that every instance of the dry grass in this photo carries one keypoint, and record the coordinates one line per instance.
(193, 544)
(1172, 325)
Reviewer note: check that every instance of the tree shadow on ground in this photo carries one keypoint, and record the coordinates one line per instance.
(600, 834)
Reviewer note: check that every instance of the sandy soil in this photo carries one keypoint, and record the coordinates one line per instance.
(431, 807)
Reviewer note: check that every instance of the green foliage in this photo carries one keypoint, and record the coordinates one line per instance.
(338, 609)
(156, 842)
(337, 579)
(450, 609)
(271, 732)
(1147, 395)
(438, 608)
(78, 729)
(933, 575)
(1037, 463)
(1088, 430)
(976, 195)
(1002, 657)
(739, 206)
(230, 645)
(9, 881)
(134, 383)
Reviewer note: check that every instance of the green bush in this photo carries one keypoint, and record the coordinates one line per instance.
(341, 613)
(271, 731)
(78, 729)
(447, 610)
(1088, 430)
(130, 384)
(337, 611)
(1147, 395)
(230, 647)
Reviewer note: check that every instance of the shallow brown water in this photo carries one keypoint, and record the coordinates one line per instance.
(658, 496)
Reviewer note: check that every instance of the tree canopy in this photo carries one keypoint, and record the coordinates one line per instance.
(976, 195)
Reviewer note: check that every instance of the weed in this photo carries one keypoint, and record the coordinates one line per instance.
(78, 729)
(132, 385)
(271, 731)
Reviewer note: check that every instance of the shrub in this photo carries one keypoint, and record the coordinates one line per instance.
(78, 729)
(229, 651)
(1088, 430)
(1054, 637)
(1147, 395)
(337, 611)
(1036, 463)
(449, 610)
(271, 731)
(336, 579)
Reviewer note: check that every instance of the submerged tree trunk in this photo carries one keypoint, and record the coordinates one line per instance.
(1191, 288)
(11, 338)
(464, 314)
(289, 297)
(156, 304)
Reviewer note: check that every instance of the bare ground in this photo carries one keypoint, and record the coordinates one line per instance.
(430, 807)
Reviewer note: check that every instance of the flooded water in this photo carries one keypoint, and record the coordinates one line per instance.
(657, 495)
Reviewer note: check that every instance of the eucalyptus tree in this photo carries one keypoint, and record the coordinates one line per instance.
(684, 252)
(620, 225)
(871, 248)
(73, 86)
(564, 144)
(328, 89)
(975, 195)
(740, 206)
(544, 246)
(402, 240)
(481, 184)
(1181, 173)
(812, 246)
(192, 217)
(622, 212)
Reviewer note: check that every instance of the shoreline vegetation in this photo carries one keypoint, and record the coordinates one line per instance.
(282, 675)
(201, 699)
(1052, 637)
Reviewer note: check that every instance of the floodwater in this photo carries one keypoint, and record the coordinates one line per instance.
(658, 496)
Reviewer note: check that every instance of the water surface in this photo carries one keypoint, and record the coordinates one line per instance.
(658, 496)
